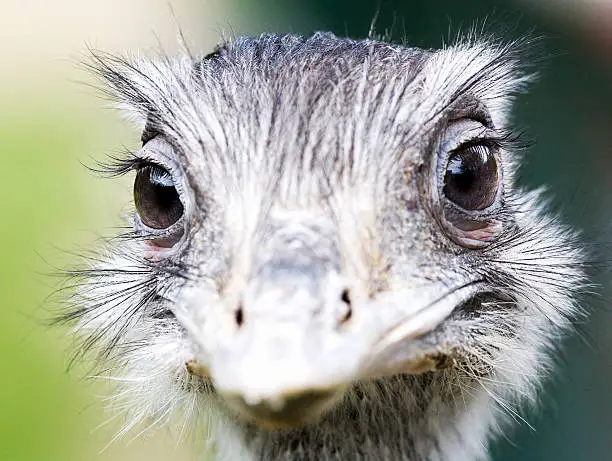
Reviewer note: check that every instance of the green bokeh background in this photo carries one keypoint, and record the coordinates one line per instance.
(50, 204)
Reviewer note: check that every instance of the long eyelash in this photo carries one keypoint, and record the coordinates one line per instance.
(511, 140)
(115, 165)
(507, 140)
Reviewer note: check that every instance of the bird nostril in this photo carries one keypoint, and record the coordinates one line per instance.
(346, 299)
(239, 315)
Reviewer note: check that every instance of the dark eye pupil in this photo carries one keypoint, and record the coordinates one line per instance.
(156, 199)
(471, 180)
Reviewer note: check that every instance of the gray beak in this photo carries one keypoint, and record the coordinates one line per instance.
(293, 349)
(283, 348)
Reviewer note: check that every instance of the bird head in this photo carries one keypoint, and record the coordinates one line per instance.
(316, 213)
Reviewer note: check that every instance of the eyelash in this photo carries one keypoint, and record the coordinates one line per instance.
(505, 140)
(118, 166)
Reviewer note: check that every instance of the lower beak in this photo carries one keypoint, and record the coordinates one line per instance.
(285, 411)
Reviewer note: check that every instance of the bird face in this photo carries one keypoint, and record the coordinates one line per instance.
(312, 214)
(314, 291)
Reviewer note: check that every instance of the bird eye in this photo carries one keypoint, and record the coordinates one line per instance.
(471, 179)
(156, 198)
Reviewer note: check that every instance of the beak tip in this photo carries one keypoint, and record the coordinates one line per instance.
(283, 411)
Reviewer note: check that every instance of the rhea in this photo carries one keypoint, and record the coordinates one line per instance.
(329, 258)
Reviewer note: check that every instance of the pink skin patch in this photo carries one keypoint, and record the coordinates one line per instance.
(477, 238)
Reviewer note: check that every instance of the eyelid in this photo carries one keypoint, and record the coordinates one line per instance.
(157, 152)
(160, 154)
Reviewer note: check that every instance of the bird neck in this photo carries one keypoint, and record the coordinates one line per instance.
(408, 418)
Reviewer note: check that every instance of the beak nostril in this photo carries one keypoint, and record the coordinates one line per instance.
(239, 315)
(346, 299)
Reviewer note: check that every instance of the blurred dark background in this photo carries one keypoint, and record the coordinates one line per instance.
(50, 203)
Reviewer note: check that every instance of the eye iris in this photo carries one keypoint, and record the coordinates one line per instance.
(471, 180)
(156, 198)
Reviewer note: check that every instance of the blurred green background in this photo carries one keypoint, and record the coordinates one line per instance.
(50, 204)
